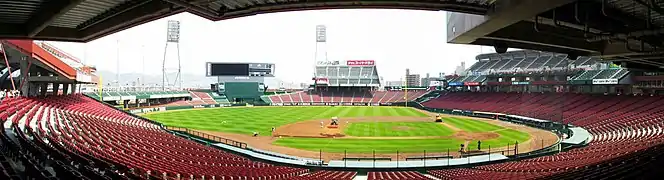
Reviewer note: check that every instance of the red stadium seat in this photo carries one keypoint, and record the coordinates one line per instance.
(83, 126)
(628, 122)
(348, 96)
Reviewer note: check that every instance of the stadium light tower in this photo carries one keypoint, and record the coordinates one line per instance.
(321, 45)
(172, 36)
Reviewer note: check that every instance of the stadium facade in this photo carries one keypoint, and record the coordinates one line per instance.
(350, 73)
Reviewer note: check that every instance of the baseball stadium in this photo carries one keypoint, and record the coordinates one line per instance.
(580, 98)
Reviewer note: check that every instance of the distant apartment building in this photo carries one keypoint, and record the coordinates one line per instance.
(412, 79)
(461, 69)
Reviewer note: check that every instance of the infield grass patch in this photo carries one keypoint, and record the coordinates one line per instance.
(396, 129)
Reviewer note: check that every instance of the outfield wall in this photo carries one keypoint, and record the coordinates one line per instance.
(168, 108)
(330, 104)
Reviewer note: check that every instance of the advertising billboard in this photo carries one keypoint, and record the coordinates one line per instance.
(360, 63)
(520, 83)
(471, 83)
(321, 81)
(605, 81)
(455, 84)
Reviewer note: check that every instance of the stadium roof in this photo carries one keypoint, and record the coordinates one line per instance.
(45, 62)
(630, 30)
(40, 61)
(86, 20)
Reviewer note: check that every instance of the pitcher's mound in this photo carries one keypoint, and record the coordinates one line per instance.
(332, 132)
(310, 129)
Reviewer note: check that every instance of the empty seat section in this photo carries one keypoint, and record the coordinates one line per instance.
(82, 126)
(396, 175)
(327, 175)
(630, 122)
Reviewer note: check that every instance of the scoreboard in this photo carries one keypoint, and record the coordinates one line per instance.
(240, 69)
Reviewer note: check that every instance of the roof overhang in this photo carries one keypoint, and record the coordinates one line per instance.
(38, 57)
(86, 20)
(630, 32)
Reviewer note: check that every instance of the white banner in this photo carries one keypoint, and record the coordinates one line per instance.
(327, 63)
(434, 83)
(605, 81)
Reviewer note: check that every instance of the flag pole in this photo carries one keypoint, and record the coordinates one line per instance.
(406, 91)
(100, 84)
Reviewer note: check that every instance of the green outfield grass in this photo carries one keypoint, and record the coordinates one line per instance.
(262, 119)
(506, 135)
(470, 125)
(396, 129)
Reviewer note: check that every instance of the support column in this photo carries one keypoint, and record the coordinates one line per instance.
(65, 88)
(33, 89)
(56, 88)
(73, 88)
(25, 81)
(44, 87)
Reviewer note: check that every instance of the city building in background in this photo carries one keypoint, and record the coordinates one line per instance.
(412, 79)
(461, 69)
(427, 80)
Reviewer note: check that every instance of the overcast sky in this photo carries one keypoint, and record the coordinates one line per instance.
(395, 39)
